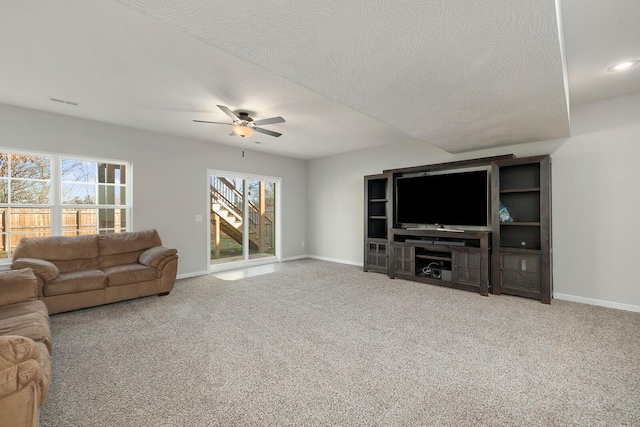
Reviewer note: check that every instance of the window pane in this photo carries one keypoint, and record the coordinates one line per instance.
(79, 221)
(112, 195)
(4, 252)
(4, 190)
(111, 174)
(78, 194)
(114, 219)
(32, 222)
(78, 171)
(27, 192)
(4, 164)
(4, 237)
(32, 167)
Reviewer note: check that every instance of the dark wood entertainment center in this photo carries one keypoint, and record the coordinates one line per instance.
(511, 257)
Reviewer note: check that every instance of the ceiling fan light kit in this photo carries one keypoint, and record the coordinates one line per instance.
(242, 130)
(243, 125)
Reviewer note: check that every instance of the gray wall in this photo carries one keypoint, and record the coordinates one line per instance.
(596, 196)
(596, 200)
(169, 175)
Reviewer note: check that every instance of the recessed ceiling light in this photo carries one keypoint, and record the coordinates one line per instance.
(624, 65)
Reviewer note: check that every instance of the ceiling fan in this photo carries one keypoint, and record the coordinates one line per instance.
(243, 125)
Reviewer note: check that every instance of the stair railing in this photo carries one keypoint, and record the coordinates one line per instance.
(225, 192)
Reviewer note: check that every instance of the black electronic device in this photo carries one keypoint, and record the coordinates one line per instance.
(458, 199)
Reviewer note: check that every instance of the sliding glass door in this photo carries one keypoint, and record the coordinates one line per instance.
(243, 216)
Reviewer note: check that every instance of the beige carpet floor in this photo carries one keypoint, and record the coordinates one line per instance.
(325, 344)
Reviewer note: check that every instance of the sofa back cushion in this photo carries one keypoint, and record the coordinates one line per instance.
(18, 286)
(68, 253)
(125, 248)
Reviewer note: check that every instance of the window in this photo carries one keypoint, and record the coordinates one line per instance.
(93, 197)
(25, 198)
(46, 194)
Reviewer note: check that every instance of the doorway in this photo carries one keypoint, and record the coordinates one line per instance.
(243, 220)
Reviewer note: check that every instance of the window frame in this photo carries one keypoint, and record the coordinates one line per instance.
(56, 205)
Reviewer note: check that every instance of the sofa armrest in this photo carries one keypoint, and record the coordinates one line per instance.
(155, 256)
(44, 269)
(19, 363)
(18, 286)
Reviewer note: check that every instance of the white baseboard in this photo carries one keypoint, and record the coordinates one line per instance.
(340, 261)
(293, 258)
(602, 303)
(193, 274)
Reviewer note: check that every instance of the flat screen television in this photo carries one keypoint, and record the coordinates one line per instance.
(452, 199)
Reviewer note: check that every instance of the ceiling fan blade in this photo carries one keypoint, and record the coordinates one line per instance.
(267, 132)
(228, 112)
(215, 123)
(268, 121)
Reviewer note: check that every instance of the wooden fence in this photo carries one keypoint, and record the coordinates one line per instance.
(37, 222)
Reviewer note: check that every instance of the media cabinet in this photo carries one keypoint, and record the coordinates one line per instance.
(459, 260)
(513, 257)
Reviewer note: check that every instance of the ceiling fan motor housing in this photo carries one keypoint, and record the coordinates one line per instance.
(244, 116)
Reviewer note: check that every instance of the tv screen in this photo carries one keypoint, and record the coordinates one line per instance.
(450, 199)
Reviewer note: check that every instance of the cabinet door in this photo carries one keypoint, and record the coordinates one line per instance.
(520, 273)
(403, 259)
(466, 266)
(377, 256)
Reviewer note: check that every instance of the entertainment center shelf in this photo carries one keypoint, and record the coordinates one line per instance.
(512, 255)
(457, 260)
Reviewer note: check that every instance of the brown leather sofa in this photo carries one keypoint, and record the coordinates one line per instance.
(25, 346)
(76, 272)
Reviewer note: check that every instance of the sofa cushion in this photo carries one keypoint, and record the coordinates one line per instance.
(30, 325)
(125, 248)
(41, 267)
(68, 253)
(154, 256)
(74, 282)
(18, 286)
(131, 273)
(20, 308)
(19, 363)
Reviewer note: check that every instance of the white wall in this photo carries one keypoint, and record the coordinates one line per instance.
(596, 200)
(596, 204)
(169, 175)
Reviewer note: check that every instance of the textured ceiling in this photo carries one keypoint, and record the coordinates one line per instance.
(459, 74)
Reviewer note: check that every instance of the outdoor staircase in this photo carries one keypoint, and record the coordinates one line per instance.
(231, 224)
(226, 203)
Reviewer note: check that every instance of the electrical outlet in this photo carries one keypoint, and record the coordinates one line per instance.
(302, 243)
